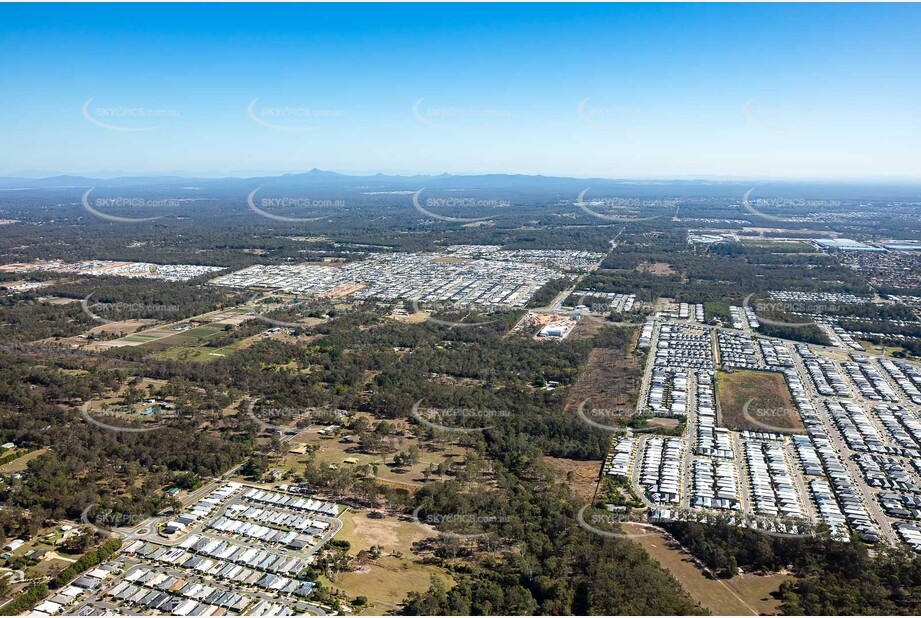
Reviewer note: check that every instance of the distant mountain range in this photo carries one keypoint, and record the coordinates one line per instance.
(501, 183)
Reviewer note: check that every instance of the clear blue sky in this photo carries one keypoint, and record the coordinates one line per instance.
(768, 91)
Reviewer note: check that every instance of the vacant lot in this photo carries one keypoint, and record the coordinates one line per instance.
(386, 580)
(611, 382)
(581, 476)
(779, 245)
(770, 405)
(662, 269)
(335, 450)
(743, 595)
(20, 463)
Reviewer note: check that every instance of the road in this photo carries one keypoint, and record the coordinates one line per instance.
(148, 531)
(868, 494)
(840, 447)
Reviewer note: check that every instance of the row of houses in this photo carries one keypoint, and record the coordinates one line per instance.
(828, 382)
(619, 460)
(687, 347)
(645, 339)
(156, 591)
(752, 318)
(660, 472)
(845, 491)
(201, 509)
(70, 594)
(868, 380)
(855, 426)
(710, 440)
(762, 436)
(714, 485)
(668, 392)
(905, 506)
(250, 530)
(737, 316)
(737, 350)
(906, 376)
(775, 353)
(292, 502)
(771, 484)
(827, 508)
(910, 533)
(901, 425)
(884, 472)
(277, 518)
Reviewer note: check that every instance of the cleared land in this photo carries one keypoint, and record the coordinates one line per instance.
(581, 476)
(334, 451)
(661, 269)
(385, 580)
(743, 595)
(771, 404)
(611, 380)
(20, 463)
(183, 333)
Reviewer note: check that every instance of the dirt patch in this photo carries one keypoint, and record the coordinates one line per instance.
(611, 381)
(661, 269)
(759, 590)
(343, 290)
(768, 400)
(391, 533)
(387, 580)
(581, 476)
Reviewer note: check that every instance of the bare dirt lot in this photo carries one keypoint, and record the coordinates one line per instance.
(657, 268)
(770, 405)
(611, 380)
(385, 580)
(582, 476)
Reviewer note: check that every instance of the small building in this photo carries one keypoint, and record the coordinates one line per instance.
(14, 545)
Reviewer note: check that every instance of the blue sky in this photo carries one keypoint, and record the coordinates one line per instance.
(652, 90)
